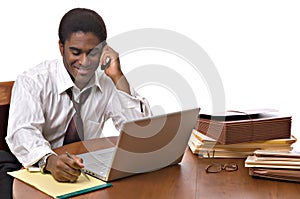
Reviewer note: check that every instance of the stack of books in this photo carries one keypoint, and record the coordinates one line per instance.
(237, 134)
(245, 126)
(206, 146)
(274, 165)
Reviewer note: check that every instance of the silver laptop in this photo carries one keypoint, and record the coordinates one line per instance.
(144, 145)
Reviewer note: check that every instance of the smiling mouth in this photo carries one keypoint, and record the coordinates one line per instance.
(82, 70)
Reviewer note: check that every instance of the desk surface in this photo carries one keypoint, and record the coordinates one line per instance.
(186, 180)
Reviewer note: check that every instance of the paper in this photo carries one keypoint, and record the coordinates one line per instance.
(252, 161)
(206, 147)
(47, 184)
(202, 141)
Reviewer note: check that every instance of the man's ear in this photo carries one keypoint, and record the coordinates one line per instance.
(61, 48)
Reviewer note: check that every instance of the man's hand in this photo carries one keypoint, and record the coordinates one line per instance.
(114, 69)
(63, 168)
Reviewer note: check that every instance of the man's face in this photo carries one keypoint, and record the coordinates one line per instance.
(81, 55)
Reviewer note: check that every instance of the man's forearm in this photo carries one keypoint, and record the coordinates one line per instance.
(122, 84)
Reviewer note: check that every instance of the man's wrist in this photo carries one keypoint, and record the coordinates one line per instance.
(43, 163)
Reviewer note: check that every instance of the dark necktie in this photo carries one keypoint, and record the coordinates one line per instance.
(74, 131)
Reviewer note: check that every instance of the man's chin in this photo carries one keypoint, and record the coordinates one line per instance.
(82, 80)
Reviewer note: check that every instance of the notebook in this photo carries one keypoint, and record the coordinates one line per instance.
(144, 145)
(48, 185)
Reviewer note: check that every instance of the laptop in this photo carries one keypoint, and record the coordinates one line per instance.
(144, 145)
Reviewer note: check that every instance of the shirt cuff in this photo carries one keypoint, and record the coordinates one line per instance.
(36, 155)
(134, 101)
(129, 101)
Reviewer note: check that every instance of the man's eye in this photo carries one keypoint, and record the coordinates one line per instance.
(76, 53)
(94, 52)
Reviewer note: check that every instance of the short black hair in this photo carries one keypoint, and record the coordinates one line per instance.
(81, 19)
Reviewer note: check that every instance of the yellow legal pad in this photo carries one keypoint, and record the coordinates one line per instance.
(47, 184)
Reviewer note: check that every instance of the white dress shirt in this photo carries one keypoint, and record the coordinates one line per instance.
(41, 110)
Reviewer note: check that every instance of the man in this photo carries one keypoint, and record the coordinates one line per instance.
(44, 98)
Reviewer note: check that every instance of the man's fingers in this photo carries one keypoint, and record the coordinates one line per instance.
(67, 169)
(74, 162)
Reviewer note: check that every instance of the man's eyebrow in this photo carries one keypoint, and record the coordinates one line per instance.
(79, 50)
(74, 48)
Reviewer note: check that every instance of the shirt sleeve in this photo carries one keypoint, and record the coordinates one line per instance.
(25, 124)
(125, 107)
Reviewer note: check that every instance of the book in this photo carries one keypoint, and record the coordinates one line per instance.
(277, 174)
(272, 164)
(245, 126)
(205, 146)
(47, 184)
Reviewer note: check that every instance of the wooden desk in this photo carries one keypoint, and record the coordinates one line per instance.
(187, 180)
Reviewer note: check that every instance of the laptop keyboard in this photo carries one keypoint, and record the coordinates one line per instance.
(98, 163)
(99, 168)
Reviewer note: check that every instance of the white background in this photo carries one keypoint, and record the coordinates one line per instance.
(255, 45)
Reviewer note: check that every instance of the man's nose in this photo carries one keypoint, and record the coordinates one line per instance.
(84, 59)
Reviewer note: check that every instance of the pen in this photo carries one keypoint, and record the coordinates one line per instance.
(69, 155)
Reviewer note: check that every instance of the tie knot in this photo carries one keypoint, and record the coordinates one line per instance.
(83, 96)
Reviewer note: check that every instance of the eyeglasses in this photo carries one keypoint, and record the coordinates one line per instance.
(217, 167)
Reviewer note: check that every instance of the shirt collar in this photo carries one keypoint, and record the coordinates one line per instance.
(64, 80)
(98, 76)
